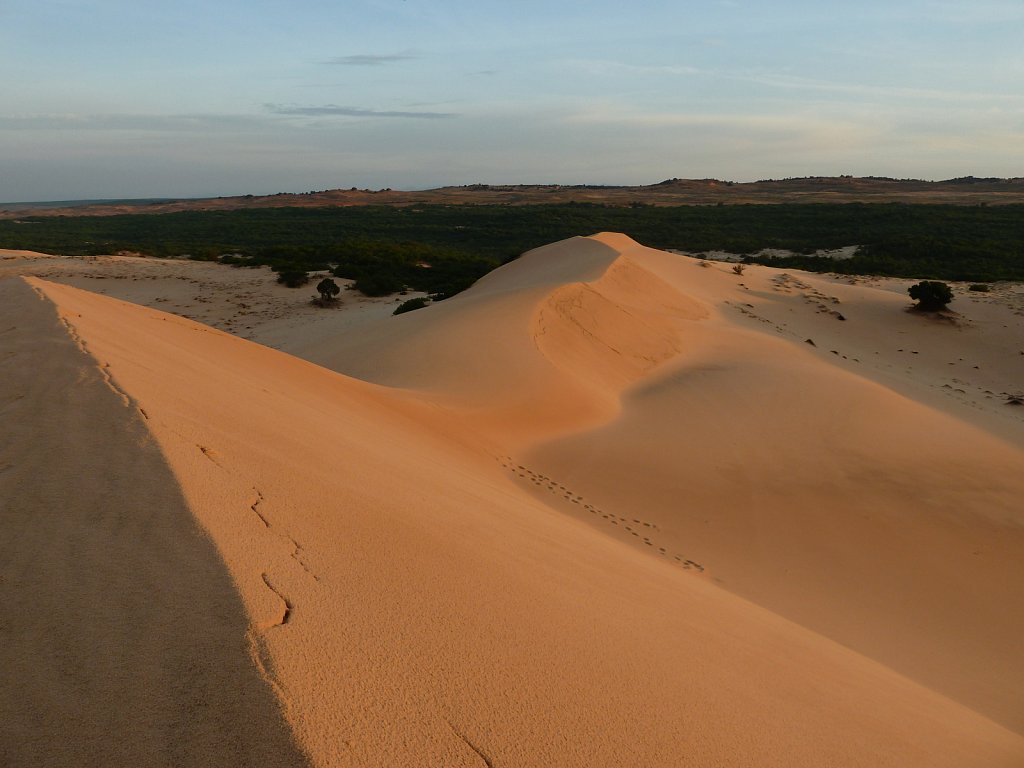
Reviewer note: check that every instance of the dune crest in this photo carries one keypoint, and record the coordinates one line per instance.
(614, 331)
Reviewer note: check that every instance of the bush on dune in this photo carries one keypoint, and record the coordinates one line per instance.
(410, 305)
(930, 295)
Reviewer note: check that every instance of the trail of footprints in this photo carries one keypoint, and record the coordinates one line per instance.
(786, 283)
(640, 529)
(747, 310)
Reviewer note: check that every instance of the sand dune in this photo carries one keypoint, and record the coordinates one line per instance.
(592, 513)
(808, 487)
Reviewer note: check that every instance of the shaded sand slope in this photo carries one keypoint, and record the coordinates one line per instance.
(122, 640)
(785, 472)
(415, 606)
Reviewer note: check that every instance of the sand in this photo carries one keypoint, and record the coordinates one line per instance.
(607, 506)
(122, 638)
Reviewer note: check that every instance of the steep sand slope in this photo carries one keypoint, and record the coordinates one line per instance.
(784, 470)
(122, 639)
(417, 607)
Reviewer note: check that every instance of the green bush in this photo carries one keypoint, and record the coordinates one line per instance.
(408, 306)
(931, 295)
(980, 288)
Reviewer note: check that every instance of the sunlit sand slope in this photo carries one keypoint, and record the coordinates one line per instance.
(413, 604)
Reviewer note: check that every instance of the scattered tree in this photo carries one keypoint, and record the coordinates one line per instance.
(327, 289)
(930, 295)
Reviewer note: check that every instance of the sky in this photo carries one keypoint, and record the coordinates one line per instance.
(134, 98)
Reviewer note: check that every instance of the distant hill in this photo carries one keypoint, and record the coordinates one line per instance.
(967, 190)
(61, 204)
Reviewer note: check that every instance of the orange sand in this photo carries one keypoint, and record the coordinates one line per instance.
(440, 567)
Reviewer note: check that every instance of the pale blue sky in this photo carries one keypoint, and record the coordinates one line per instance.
(119, 98)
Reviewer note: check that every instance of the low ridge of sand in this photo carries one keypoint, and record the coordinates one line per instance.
(607, 506)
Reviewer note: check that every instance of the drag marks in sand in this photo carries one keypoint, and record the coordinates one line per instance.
(642, 530)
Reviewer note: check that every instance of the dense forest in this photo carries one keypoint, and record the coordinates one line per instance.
(442, 249)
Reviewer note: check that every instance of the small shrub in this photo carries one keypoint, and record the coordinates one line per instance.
(408, 306)
(930, 295)
(980, 288)
(738, 268)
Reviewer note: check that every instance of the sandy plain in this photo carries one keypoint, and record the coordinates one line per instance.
(610, 505)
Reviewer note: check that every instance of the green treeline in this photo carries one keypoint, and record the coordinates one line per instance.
(441, 249)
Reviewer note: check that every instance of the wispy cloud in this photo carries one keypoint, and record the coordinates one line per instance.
(333, 110)
(857, 89)
(370, 59)
(735, 129)
(604, 68)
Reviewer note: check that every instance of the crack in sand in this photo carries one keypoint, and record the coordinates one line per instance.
(286, 613)
(468, 743)
(297, 557)
(297, 551)
(208, 453)
(254, 507)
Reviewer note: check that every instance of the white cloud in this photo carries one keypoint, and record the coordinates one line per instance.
(370, 59)
(333, 110)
